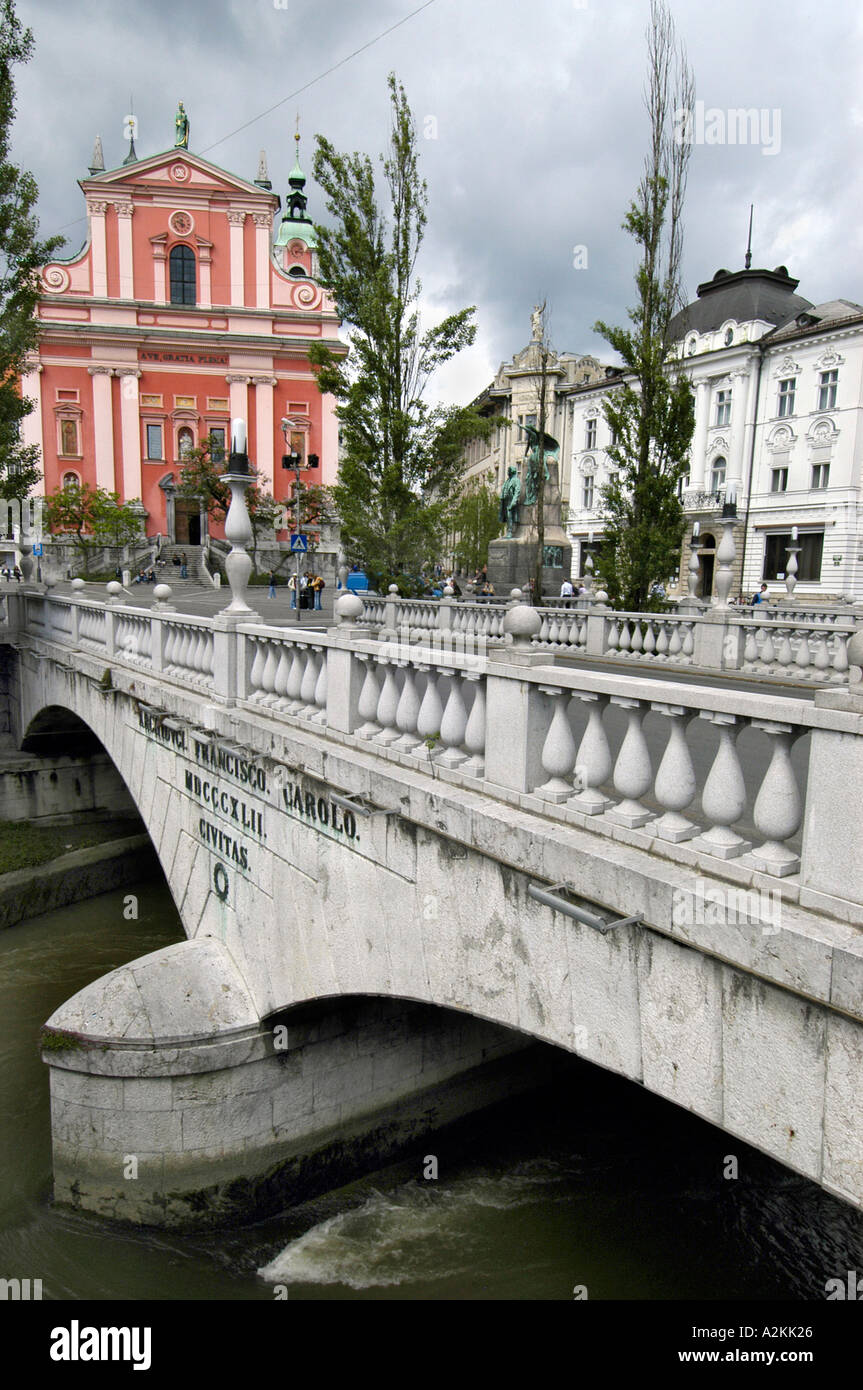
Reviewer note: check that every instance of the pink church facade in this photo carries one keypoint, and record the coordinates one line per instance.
(181, 312)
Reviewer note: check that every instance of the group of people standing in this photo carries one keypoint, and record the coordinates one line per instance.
(311, 587)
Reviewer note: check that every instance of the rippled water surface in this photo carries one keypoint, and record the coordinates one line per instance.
(590, 1183)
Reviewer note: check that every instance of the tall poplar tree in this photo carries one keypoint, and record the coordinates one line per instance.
(21, 255)
(652, 414)
(400, 456)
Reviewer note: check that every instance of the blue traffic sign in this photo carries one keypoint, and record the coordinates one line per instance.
(299, 541)
(37, 550)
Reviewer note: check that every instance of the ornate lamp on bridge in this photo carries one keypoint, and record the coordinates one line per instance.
(238, 527)
(793, 550)
(726, 552)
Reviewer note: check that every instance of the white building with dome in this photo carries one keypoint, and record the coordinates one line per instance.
(778, 387)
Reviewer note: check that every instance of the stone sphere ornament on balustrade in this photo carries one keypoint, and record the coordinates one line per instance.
(349, 608)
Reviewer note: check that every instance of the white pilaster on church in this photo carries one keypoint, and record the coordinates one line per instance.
(31, 387)
(103, 427)
(329, 441)
(160, 268)
(96, 213)
(239, 391)
(237, 222)
(205, 263)
(124, 244)
(130, 431)
(263, 237)
(265, 428)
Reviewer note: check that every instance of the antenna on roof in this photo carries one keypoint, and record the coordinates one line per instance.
(748, 261)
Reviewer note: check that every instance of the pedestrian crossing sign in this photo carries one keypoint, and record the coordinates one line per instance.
(299, 541)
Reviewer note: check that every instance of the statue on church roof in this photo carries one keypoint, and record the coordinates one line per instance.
(181, 125)
(536, 324)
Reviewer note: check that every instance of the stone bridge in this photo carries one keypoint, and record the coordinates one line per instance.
(400, 865)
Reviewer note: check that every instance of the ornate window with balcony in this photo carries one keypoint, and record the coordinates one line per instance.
(717, 474)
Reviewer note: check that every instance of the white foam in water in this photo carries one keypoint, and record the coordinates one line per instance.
(416, 1234)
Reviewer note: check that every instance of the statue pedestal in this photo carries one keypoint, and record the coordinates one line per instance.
(512, 562)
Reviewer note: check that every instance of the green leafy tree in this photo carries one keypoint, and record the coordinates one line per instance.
(201, 477)
(401, 456)
(22, 253)
(475, 521)
(92, 517)
(651, 414)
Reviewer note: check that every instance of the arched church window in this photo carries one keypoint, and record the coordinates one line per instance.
(70, 479)
(298, 272)
(182, 266)
(717, 476)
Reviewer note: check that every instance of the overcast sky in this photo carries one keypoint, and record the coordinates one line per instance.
(532, 133)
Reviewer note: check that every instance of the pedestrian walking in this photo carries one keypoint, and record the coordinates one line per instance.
(292, 585)
(318, 585)
(271, 585)
(184, 566)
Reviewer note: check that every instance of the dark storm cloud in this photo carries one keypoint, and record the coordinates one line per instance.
(531, 122)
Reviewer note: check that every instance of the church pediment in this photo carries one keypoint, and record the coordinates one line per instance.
(176, 169)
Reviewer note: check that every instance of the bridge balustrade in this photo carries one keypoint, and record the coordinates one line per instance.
(711, 777)
(786, 643)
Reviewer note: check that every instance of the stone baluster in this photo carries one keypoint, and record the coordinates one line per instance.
(784, 654)
(750, 650)
(840, 656)
(624, 640)
(633, 772)
(453, 724)
(662, 640)
(768, 650)
(320, 692)
(593, 760)
(613, 640)
(558, 750)
(649, 646)
(803, 656)
(723, 799)
(821, 659)
(295, 681)
(367, 704)
(310, 680)
(388, 707)
(675, 780)
(255, 674)
(636, 641)
(674, 643)
(474, 734)
(283, 670)
(778, 806)
(407, 712)
(688, 642)
(430, 715)
(268, 676)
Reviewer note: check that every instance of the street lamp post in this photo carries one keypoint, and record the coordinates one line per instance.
(293, 459)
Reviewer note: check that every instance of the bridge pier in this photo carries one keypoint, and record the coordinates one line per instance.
(173, 1105)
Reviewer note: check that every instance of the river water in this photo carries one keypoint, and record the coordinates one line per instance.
(593, 1186)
